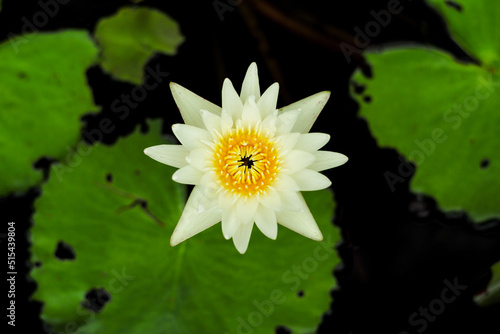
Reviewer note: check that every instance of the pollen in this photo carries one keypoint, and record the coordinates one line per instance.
(246, 161)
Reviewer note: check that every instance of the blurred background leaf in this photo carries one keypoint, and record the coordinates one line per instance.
(474, 24)
(442, 114)
(121, 196)
(492, 293)
(43, 94)
(131, 37)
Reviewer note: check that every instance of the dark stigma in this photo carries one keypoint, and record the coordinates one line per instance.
(246, 162)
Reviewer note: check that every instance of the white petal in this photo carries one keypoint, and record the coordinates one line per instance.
(285, 182)
(301, 222)
(230, 222)
(268, 100)
(212, 123)
(250, 114)
(190, 136)
(250, 84)
(271, 199)
(311, 142)
(230, 100)
(286, 122)
(226, 121)
(172, 155)
(242, 237)
(193, 221)
(296, 160)
(292, 201)
(326, 159)
(226, 200)
(188, 175)
(309, 180)
(209, 192)
(269, 124)
(200, 158)
(209, 181)
(265, 219)
(310, 108)
(190, 105)
(245, 208)
(287, 141)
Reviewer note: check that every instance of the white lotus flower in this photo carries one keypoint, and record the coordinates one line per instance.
(247, 161)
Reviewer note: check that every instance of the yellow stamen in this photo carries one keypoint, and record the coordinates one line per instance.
(245, 161)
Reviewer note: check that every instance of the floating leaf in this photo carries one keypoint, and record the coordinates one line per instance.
(492, 293)
(475, 27)
(43, 94)
(442, 115)
(118, 209)
(131, 37)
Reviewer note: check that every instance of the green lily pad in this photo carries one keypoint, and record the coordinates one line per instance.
(492, 293)
(442, 115)
(131, 37)
(474, 27)
(43, 94)
(202, 285)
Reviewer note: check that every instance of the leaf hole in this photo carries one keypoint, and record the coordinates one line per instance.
(282, 330)
(143, 203)
(144, 127)
(300, 293)
(367, 98)
(485, 163)
(109, 178)
(64, 251)
(358, 88)
(367, 70)
(37, 264)
(96, 299)
(44, 164)
(455, 5)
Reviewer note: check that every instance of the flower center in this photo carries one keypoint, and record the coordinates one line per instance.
(246, 161)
